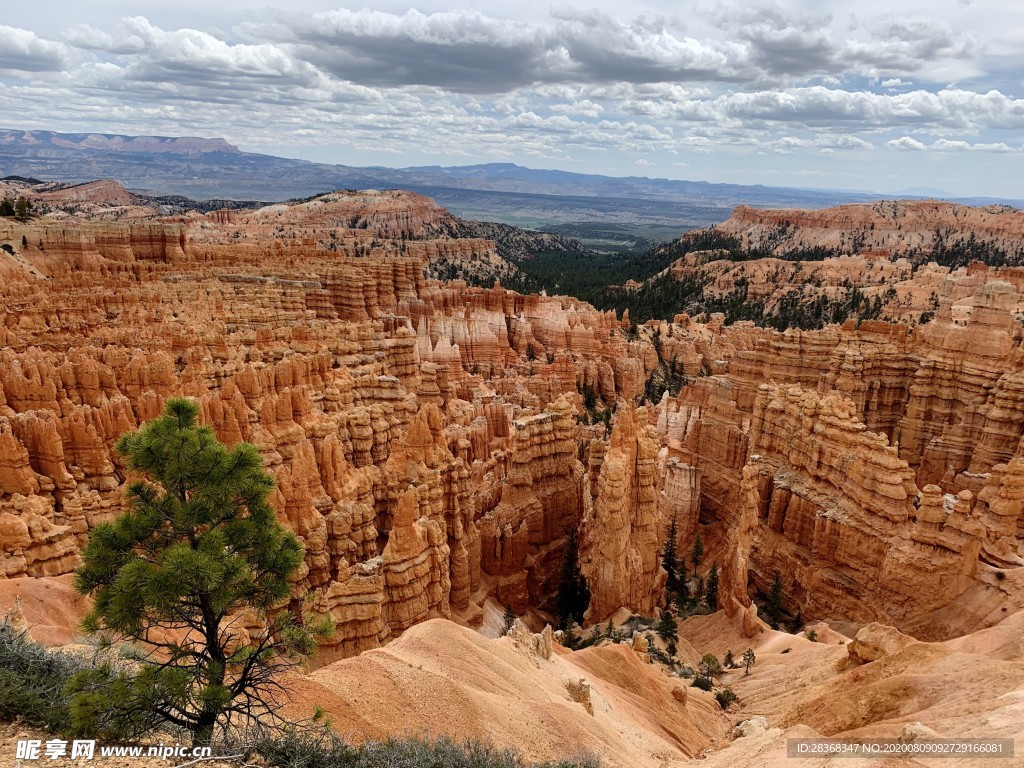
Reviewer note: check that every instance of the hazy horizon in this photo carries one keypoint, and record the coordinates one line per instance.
(894, 96)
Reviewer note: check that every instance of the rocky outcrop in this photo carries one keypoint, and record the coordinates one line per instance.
(732, 585)
(311, 331)
(885, 229)
(31, 542)
(540, 503)
(619, 556)
(678, 498)
(838, 507)
(1000, 508)
(429, 442)
(876, 641)
(899, 261)
(415, 565)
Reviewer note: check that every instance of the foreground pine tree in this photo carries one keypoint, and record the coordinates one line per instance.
(198, 545)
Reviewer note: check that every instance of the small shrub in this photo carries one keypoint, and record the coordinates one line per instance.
(704, 683)
(508, 619)
(812, 636)
(725, 697)
(1000, 575)
(32, 681)
(709, 665)
(637, 624)
(322, 748)
(659, 655)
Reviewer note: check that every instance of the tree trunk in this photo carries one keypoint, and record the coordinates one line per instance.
(202, 732)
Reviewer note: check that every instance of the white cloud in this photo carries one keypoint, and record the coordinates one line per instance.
(945, 145)
(23, 51)
(523, 82)
(906, 143)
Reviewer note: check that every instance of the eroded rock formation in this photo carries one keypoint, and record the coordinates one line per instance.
(430, 441)
(423, 436)
(621, 543)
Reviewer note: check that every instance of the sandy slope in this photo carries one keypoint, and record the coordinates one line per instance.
(971, 687)
(52, 609)
(443, 678)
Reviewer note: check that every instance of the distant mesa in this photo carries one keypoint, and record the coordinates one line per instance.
(212, 168)
(106, 142)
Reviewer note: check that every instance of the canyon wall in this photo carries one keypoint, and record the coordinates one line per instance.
(424, 436)
(879, 451)
(431, 446)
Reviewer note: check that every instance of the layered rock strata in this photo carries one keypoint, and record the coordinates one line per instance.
(429, 440)
(423, 436)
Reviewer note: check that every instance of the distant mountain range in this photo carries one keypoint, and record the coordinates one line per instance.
(213, 168)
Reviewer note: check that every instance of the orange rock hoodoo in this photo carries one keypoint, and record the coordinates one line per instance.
(421, 457)
(428, 438)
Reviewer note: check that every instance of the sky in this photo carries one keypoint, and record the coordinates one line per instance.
(875, 95)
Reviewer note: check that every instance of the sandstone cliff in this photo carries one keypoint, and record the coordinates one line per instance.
(422, 434)
(430, 440)
(621, 547)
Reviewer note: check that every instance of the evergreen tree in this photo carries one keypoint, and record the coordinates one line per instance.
(589, 397)
(683, 600)
(198, 545)
(569, 638)
(573, 593)
(773, 606)
(748, 661)
(6, 207)
(729, 662)
(797, 622)
(696, 553)
(666, 627)
(669, 560)
(23, 208)
(708, 667)
(508, 619)
(711, 590)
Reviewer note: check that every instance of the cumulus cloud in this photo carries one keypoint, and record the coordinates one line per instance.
(906, 144)
(466, 52)
(788, 144)
(820, 106)
(194, 57)
(23, 51)
(469, 52)
(769, 78)
(946, 145)
(89, 38)
(794, 43)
